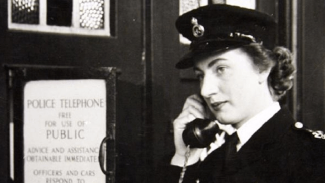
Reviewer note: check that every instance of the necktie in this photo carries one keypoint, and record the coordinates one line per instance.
(230, 152)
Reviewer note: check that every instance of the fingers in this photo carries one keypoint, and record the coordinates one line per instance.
(192, 112)
(194, 100)
(193, 108)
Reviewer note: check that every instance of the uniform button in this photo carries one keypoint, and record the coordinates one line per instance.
(299, 125)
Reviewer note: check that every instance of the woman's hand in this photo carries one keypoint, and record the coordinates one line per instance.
(194, 107)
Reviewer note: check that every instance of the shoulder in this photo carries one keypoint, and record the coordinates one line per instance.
(305, 149)
(311, 134)
(305, 140)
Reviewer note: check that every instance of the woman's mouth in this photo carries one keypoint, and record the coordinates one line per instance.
(217, 105)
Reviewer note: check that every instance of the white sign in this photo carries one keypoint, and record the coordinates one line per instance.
(64, 123)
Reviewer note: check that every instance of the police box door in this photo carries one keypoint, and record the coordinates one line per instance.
(123, 48)
(58, 119)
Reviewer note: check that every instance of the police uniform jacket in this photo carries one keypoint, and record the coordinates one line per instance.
(277, 152)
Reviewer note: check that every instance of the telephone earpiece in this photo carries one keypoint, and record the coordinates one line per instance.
(200, 133)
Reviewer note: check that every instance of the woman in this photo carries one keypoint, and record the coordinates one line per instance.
(241, 81)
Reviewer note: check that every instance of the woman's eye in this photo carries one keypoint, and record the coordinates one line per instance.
(221, 69)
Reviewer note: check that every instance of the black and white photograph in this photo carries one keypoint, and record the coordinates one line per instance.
(179, 91)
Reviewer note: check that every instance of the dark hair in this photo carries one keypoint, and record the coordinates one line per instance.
(279, 61)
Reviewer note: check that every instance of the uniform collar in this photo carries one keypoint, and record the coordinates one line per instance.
(273, 114)
(246, 131)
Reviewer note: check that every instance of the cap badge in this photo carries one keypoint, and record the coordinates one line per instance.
(198, 30)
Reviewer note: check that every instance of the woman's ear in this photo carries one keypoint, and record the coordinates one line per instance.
(263, 75)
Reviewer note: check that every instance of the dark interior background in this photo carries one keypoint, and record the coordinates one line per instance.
(151, 92)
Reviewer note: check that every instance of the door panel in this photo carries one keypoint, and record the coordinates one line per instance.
(123, 50)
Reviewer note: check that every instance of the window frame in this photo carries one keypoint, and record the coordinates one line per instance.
(75, 28)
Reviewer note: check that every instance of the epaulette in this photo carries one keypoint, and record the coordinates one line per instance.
(316, 133)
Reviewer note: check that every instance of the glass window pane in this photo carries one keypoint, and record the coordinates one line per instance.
(218, 1)
(243, 3)
(25, 11)
(188, 5)
(59, 12)
(92, 14)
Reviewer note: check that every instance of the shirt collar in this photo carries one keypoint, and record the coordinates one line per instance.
(252, 125)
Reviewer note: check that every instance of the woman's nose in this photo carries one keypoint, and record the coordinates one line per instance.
(208, 87)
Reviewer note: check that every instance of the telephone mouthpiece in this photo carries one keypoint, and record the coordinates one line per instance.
(200, 133)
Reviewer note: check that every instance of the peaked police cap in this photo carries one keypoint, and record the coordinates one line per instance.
(219, 27)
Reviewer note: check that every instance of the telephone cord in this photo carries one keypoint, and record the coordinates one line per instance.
(187, 155)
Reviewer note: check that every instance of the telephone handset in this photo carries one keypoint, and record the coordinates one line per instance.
(200, 133)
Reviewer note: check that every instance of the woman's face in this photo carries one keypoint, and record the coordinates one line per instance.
(232, 86)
